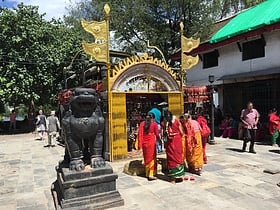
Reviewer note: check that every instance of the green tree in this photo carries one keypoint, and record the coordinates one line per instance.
(33, 53)
(135, 22)
(225, 8)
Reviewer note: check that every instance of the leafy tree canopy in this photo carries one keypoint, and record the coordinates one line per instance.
(135, 22)
(229, 7)
(33, 53)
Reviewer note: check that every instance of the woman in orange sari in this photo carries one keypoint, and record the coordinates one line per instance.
(194, 151)
(147, 137)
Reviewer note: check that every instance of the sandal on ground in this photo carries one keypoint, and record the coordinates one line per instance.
(151, 178)
(186, 178)
(198, 171)
(192, 178)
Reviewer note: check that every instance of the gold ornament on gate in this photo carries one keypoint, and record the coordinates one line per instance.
(107, 10)
(187, 45)
(99, 50)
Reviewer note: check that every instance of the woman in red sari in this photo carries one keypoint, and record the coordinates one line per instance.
(174, 148)
(147, 137)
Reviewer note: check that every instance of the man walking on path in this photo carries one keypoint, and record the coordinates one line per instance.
(41, 123)
(250, 119)
(53, 126)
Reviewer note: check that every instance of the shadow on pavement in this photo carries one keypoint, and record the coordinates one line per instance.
(163, 177)
(234, 149)
(264, 143)
(275, 151)
(60, 144)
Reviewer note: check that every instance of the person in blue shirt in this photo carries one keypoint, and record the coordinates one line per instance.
(157, 116)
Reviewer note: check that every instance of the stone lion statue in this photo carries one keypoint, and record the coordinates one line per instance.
(83, 126)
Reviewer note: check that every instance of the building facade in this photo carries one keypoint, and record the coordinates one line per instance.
(244, 58)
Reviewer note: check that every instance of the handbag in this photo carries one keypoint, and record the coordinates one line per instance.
(164, 137)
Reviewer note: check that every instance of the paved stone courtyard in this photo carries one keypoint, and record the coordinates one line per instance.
(230, 180)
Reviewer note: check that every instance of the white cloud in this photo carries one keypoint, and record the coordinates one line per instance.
(52, 8)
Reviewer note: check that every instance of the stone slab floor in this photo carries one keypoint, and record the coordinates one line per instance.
(230, 180)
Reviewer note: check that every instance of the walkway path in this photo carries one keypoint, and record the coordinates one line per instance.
(231, 180)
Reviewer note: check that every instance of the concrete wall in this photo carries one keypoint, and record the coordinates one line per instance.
(230, 62)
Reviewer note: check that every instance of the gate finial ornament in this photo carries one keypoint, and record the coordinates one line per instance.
(99, 50)
(187, 45)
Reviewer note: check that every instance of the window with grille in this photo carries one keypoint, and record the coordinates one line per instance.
(210, 59)
(253, 49)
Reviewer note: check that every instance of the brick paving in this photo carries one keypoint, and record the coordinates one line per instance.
(230, 180)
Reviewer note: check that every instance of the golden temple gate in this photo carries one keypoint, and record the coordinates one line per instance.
(135, 85)
(138, 81)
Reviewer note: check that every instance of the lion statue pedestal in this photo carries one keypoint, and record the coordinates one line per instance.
(87, 189)
(84, 179)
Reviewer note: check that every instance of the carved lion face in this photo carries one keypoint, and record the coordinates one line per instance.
(84, 101)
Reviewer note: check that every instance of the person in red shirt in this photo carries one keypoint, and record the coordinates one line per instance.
(147, 137)
(12, 121)
(274, 126)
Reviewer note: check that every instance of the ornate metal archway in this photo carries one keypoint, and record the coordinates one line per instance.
(143, 75)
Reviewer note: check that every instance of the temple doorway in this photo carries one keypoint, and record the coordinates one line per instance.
(137, 107)
(135, 86)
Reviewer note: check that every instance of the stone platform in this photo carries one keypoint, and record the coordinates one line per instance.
(87, 189)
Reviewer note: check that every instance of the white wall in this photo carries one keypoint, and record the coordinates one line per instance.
(230, 62)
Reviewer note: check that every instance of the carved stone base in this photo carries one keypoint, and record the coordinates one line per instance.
(88, 189)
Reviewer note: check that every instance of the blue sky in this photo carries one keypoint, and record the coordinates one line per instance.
(52, 8)
(8, 4)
